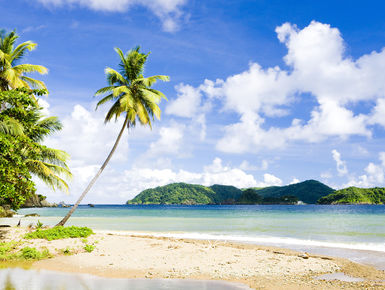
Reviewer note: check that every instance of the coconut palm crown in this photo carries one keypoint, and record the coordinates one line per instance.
(132, 96)
(131, 92)
(12, 74)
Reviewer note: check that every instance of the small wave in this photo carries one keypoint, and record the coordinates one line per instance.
(277, 241)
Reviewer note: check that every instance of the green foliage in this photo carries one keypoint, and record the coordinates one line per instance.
(183, 193)
(67, 251)
(309, 191)
(89, 248)
(28, 253)
(10, 251)
(225, 194)
(60, 232)
(39, 225)
(250, 196)
(23, 155)
(7, 250)
(12, 73)
(355, 195)
(175, 193)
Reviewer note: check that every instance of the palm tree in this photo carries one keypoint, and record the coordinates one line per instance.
(22, 122)
(133, 97)
(12, 75)
(46, 163)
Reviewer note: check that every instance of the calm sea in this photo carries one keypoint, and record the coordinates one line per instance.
(353, 231)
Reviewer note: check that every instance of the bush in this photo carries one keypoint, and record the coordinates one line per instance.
(33, 254)
(60, 232)
(89, 248)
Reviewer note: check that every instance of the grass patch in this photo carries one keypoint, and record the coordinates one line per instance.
(67, 251)
(89, 248)
(12, 252)
(60, 232)
(28, 253)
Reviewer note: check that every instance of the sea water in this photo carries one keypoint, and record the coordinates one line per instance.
(352, 231)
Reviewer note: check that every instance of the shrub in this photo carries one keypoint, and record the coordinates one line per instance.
(33, 254)
(89, 248)
(60, 232)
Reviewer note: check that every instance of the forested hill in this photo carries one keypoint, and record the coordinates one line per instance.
(355, 195)
(309, 191)
(182, 193)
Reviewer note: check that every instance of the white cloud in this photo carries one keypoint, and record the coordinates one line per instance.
(294, 181)
(374, 174)
(245, 165)
(341, 165)
(319, 69)
(270, 180)
(168, 11)
(187, 102)
(170, 140)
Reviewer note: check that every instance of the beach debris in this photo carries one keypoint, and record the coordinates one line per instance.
(304, 256)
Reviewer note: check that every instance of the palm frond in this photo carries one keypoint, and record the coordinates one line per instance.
(150, 81)
(34, 83)
(11, 127)
(104, 90)
(28, 68)
(20, 50)
(114, 77)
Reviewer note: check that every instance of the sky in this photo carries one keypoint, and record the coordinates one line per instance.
(261, 93)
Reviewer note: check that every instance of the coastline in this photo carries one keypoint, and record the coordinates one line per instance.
(144, 256)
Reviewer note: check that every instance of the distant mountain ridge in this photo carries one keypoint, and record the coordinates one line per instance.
(309, 191)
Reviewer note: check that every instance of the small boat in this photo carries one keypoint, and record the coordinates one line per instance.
(91, 205)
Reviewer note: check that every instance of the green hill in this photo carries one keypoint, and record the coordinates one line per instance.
(175, 193)
(225, 194)
(309, 191)
(355, 195)
(182, 193)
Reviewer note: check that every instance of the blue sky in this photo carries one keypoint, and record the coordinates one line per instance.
(261, 92)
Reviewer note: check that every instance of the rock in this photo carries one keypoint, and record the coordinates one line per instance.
(37, 200)
(31, 214)
(5, 211)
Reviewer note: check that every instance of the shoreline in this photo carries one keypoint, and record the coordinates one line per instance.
(145, 256)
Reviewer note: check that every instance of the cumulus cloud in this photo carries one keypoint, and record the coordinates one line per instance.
(341, 165)
(168, 11)
(318, 68)
(169, 142)
(116, 186)
(374, 174)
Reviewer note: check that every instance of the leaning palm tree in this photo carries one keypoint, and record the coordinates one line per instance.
(133, 97)
(12, 74)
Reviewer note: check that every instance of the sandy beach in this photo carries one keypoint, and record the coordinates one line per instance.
(120, 255)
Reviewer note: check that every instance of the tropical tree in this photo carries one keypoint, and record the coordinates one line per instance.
(22, 130)
(132, 97)
(12, 74)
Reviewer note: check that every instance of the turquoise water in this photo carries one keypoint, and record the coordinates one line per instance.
(351, 231)
(347, 226)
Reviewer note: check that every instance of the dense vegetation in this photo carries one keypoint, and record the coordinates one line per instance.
(23, 128)
(175, 193)
(60, 232)
(355, 195)
(309, 191)
(22, 151)
(181, 193)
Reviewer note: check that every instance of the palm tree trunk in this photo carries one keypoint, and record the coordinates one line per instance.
(64, 220)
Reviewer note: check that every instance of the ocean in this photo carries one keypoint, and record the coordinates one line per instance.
(356, 232)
